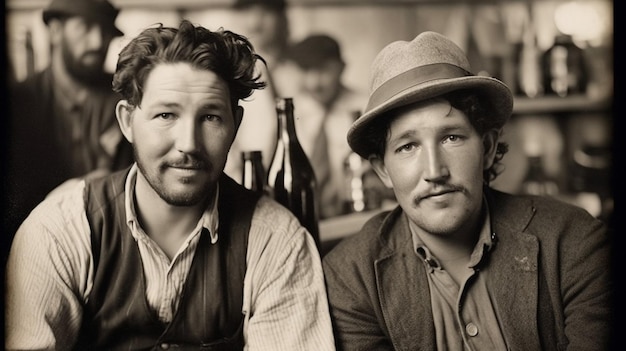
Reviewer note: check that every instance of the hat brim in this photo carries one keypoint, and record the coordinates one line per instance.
(495, 94)
(49, 14)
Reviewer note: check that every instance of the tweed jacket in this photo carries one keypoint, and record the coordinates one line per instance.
(550, 280)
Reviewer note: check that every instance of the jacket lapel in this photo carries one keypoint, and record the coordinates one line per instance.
(403, 288)
(514, 271)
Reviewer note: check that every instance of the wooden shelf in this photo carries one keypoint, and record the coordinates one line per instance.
(555, 104)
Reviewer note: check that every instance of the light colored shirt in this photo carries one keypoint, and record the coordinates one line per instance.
(465, 316)
(311, 118)
(51, 269)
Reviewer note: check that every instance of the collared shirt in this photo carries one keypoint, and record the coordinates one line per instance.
(50, 276)
(165, 278)
(465, 316)
(332, 123)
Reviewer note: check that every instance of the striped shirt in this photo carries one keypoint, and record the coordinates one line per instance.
(50, 276)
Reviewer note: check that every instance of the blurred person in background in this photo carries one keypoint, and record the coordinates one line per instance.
(458, 265)
(266, 24)
(325, 109)
(63, 118)
(169, 252)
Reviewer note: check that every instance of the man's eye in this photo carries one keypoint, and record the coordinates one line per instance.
(452, 138)
(212, 118)
(165, 115)
(405, 148)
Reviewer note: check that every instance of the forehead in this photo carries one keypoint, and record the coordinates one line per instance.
(426, 116)
(325, 65)
(182, 80)
(84, 23)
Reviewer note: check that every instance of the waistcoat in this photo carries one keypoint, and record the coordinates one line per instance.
(209, 317)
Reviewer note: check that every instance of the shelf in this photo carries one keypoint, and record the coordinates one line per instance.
(336, 228)
(555, 104)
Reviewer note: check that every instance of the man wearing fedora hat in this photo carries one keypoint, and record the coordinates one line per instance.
(63, 119)
(459, 265)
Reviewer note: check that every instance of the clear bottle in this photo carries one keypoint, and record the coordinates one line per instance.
(290, 177)
(354, 168)
(253, 173)
(529, 75)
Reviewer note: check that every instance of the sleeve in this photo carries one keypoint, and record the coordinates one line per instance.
(46, 276)
(586, 284)
(285, 303)
(355, 322)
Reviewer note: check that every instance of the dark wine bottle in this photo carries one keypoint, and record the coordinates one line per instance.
(253, 173)
(290, 177)
(565, 70)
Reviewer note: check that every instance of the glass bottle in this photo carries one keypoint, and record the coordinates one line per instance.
(253, 173)
(290, 177)
(537, 181)
(564, 66)
(354, 167)
(529, 79)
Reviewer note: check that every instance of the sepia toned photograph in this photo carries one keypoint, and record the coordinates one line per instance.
(309, 175)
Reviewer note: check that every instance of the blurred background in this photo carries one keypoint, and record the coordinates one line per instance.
(556, 55)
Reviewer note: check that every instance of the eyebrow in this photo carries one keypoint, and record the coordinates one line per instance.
(404, 135)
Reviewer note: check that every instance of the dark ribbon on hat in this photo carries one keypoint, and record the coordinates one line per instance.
(413, 77)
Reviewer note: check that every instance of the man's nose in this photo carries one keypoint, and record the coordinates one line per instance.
(435, 165)
(187, 135)
(97, 37)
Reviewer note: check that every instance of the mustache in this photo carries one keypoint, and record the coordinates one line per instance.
(188, 162)
(437, 190)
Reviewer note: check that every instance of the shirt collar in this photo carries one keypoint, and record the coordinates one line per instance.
(208, 221)
(486, 242)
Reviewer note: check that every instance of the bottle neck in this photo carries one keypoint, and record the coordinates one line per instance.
(286, 123)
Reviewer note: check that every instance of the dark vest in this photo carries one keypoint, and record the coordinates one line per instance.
(117, 316)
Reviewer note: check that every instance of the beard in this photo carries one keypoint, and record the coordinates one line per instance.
(179, 199)
(87, 71)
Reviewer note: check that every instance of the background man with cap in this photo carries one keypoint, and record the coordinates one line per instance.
(458, 265)
(63, 121)
(325, 111)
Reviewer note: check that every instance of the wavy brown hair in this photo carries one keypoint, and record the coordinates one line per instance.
(229, 55)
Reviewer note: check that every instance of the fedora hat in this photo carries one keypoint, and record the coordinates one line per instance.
(426, 67)
(99, 11)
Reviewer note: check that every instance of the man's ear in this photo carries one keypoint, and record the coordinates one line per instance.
(490, 146)
(124, 112)
(238, 116)
(379, 167)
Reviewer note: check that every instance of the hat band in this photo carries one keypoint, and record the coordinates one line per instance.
(413, 77)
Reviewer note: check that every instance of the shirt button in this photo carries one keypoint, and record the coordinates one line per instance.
(165, 346)
(471, 329)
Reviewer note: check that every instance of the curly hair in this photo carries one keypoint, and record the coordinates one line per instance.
(229, 55)
(468, 102)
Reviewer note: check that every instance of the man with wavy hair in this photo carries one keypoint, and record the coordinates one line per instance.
(170, 252)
